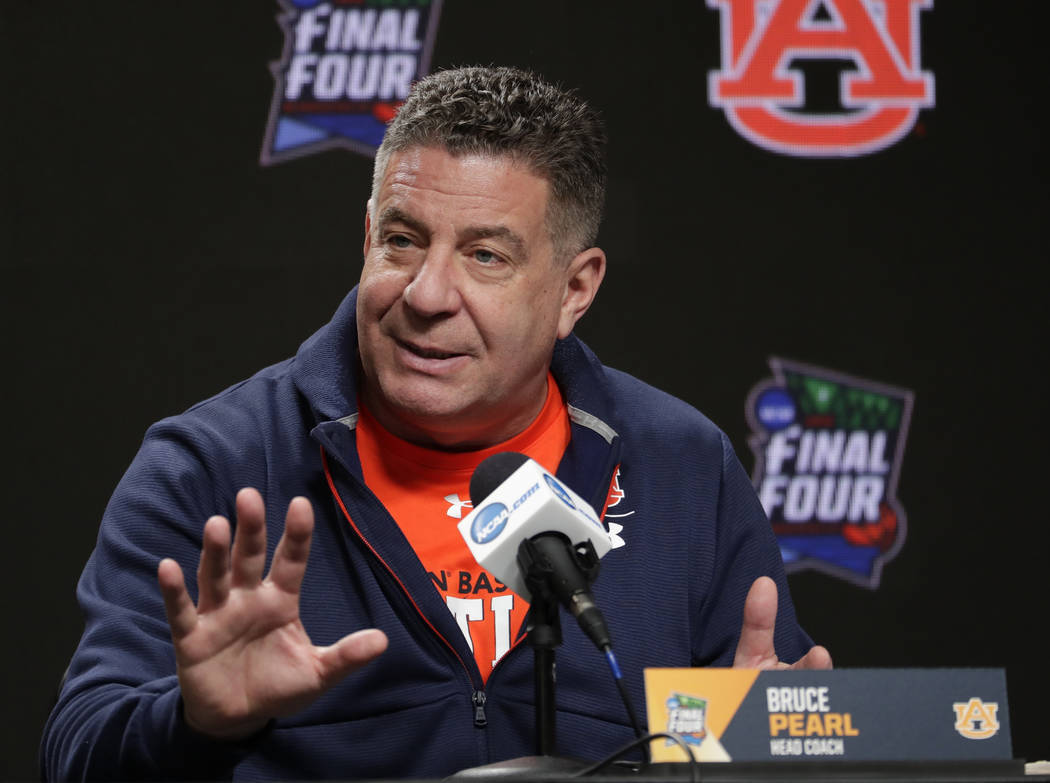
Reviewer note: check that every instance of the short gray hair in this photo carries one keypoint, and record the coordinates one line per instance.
(511, 112)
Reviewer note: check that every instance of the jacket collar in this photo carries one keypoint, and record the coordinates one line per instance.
(326, 365)
(593, 454)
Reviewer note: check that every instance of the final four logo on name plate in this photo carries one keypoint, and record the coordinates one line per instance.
(828, 451)
(687, 717)
(346, 67)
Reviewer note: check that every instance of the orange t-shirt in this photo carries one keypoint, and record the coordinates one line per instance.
(427, 492)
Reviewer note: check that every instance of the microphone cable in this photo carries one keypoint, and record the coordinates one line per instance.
(625, 696)
(644, 740)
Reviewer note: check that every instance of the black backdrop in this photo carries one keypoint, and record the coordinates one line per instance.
(149, 261)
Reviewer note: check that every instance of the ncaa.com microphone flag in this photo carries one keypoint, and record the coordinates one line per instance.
(529, 502)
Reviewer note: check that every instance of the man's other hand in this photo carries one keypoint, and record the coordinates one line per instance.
(242, 654)
(755, 648)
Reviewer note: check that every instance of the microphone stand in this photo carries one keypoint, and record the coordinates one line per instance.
(543, 635)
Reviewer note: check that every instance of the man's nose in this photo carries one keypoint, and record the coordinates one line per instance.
(434, 288)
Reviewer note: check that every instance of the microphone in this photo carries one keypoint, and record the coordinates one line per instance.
(527, 522)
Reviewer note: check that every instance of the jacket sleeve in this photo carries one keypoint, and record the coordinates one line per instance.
(745, 549)
(118, 715)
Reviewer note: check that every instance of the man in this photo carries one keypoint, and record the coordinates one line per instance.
(457, 343)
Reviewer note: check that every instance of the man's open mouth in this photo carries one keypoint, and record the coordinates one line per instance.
(428, 353)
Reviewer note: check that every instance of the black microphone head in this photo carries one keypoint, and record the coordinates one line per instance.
(492, 472)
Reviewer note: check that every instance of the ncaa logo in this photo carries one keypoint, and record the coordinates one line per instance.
(489, 522)
(558, 490)
(762, 88)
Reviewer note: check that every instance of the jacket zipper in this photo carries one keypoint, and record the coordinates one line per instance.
(477, 696)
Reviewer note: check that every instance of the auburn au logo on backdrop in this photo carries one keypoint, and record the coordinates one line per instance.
(828, 451)
(346, 67)
(771, 51)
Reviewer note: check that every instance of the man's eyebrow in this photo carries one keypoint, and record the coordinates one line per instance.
(396, 215)
(498, 231)
(501, 233)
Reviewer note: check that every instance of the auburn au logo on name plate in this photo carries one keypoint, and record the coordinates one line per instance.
(839, 714)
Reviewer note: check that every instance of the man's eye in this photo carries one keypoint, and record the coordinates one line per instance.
(486, 257)
(399, 241)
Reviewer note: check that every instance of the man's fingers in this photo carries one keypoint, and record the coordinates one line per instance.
(182, 615)
(351, 653)
(213, 572)
(293, 550)
(818, 657)
(249, 542)
(756, 633)
(755, 649)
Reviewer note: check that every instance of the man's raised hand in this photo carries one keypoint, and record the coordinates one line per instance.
(755, 648)
(242, 654)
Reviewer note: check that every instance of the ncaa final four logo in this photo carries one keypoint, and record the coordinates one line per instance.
(828, 451)
(687, 717)
(347, 66)
(762, 83)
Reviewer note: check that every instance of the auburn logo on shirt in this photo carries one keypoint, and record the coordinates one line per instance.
(762, 86)
(615, 497)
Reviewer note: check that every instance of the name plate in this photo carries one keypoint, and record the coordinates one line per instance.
(839, 714)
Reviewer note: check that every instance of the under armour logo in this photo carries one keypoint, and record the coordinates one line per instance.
(456, 506)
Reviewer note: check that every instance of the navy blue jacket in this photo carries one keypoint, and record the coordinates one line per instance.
(695, 539)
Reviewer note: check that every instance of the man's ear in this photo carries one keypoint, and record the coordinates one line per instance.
(584, 276)
(368, 228)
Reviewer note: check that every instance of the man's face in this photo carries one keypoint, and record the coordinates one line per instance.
(461, 298)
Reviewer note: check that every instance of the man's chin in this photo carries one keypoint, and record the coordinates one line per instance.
(429, 420)
(461, 415)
